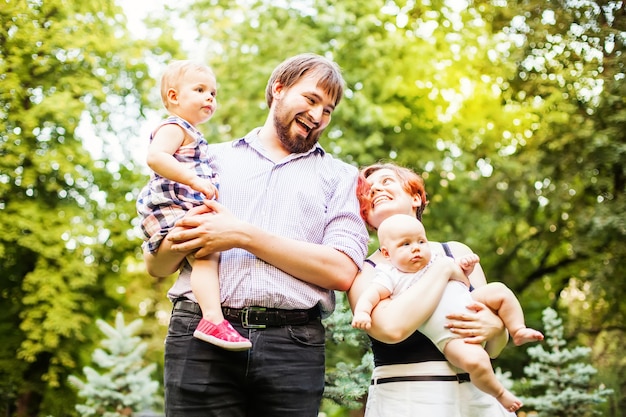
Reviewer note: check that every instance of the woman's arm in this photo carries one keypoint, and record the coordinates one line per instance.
(393, 320)
(480, 324)
(477, 277)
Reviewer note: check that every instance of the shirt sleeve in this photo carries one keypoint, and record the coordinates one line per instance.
(345, 229)
(384, 277)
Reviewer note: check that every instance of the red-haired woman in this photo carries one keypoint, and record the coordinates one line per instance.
(411, 376)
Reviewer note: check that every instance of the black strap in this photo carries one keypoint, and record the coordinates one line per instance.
(257, 317)
(260, 317)
(460, 378)
(448, 251)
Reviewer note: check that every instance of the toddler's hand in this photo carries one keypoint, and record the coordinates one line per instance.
(361, 320)
(204, 186)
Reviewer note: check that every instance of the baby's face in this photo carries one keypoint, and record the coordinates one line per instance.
(408, 247)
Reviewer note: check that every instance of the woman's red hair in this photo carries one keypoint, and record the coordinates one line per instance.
(411, 182)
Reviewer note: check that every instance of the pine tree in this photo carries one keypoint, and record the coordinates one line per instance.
(560, 378)
(347, 380)
(125, 385)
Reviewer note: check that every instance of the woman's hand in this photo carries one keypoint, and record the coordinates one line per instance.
(476, 325)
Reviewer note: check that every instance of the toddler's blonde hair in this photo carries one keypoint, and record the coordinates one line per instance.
(175, 72)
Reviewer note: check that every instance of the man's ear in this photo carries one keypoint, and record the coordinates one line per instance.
(277, 89)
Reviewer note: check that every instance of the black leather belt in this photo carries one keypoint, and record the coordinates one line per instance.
(257, 317)
(460, 378)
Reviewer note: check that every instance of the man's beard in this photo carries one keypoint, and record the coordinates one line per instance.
(293, 143)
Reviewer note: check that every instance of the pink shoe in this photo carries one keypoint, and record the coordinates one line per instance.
(222, 335)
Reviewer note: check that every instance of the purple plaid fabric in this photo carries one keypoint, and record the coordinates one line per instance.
(162, 201)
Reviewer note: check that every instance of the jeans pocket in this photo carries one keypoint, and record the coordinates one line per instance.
(312, 334)
(182, 324)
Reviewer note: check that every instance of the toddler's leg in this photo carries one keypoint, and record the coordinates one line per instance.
(213, 328)
(474, 359)
(499, 298)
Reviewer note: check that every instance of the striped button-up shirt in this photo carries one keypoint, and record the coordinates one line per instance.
(307, 197)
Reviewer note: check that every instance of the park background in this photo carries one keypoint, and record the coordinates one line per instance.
(514, 112)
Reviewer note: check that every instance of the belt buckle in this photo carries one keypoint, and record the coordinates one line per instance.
(244, 317)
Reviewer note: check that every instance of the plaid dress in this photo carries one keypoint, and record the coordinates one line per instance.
(163, 201)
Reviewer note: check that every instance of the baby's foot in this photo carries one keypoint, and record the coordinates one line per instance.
(526, 335)
(509, 401)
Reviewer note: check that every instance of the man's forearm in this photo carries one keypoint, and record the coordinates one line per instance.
(317, 264)
(164, 262)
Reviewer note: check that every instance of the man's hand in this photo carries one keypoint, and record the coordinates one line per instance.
(208, 228)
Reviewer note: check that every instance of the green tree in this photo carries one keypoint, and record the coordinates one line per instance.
(65, 216)
(559, 379)
(347, 379)
(125, 385)
(558, 190)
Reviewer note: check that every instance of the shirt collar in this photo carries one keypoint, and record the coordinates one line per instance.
(253, 136)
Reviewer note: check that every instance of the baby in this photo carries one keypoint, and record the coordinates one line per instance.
(403, 242)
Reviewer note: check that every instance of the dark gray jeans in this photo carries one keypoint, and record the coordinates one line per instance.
(282, 375)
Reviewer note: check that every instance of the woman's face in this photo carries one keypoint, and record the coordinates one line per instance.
(388, 197)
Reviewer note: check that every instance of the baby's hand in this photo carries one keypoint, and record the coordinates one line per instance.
(361, 320)
(450, 270)
(468, 262)
(457, 274)
(204, 186)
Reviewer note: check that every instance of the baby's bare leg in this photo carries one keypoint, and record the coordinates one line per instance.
(499, 298)
(474, 360)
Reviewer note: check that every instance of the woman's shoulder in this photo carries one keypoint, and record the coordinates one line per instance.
(376, 258)
(457, 249)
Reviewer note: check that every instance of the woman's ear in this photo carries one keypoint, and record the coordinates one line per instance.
(417, 201)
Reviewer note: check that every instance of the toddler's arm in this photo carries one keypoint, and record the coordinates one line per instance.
(160, 159)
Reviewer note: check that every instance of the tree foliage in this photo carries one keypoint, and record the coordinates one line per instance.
(65, 216)
(120, 384)
(559, 380)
